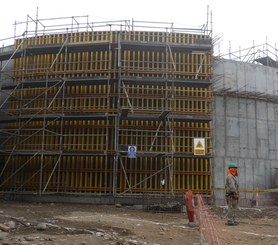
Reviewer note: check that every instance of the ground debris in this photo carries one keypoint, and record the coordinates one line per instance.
(3, 235)
(20, 220)
(41, 227)
(4, 227)
(11, 224)
(101, 224)
(167, 207)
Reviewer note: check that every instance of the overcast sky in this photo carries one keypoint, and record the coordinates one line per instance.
(237, 21)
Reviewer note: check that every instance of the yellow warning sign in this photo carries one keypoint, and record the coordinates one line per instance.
(199, 146)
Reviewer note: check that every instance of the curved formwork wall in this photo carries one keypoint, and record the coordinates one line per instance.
(78, 101)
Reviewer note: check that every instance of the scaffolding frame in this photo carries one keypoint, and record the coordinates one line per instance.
(53, 84)
(263, 54)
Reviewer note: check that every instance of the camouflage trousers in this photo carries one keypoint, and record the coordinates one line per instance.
(232, 207)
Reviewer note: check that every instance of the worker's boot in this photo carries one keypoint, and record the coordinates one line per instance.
(236, 222)
(192, 224)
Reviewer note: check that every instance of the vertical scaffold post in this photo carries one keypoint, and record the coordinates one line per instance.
(117, 119)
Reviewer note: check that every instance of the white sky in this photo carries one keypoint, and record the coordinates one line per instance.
(238, 21)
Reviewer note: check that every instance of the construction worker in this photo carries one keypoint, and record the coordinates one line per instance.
(232, 193)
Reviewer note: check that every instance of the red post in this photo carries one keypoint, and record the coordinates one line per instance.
(189, 204)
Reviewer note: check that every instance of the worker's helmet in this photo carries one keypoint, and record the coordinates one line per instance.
(232, 165)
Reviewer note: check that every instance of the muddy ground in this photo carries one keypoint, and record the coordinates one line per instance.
(52, 223)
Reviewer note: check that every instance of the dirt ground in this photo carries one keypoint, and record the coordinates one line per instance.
(40, 223)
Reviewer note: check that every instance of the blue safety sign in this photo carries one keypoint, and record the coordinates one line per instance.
(131, 151)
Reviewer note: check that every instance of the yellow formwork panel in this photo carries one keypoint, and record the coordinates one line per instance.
(145, 174)
(148, 98)
(85, 98)
(78, 135)
(185, 132)
(148, 135)
(95, 173)
(86, 174)
(90, 135)
(81, 64)
(192, 173)
(98, 36)
(24, 174)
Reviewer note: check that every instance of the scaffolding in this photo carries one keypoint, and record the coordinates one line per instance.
(75, 96)
(263, 55)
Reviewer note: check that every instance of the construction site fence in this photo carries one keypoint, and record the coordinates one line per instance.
(209, 225)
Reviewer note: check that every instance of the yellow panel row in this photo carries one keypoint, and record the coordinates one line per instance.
(93, 90)
(77, 37)
(150, 136)
(95, 174)
(145, 174)
(103, 62)
(161, 64)
(163, 37)
(133, 90)
(180, 106)
(87, 98)
(82, 135)
(100, 63)
(160, 91)
(79, 64)
(92, 135)
(99, 98)
(107, 36)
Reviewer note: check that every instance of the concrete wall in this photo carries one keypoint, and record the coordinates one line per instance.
(5, 76)
(246, 130)
(244, 76)
(6, 65)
